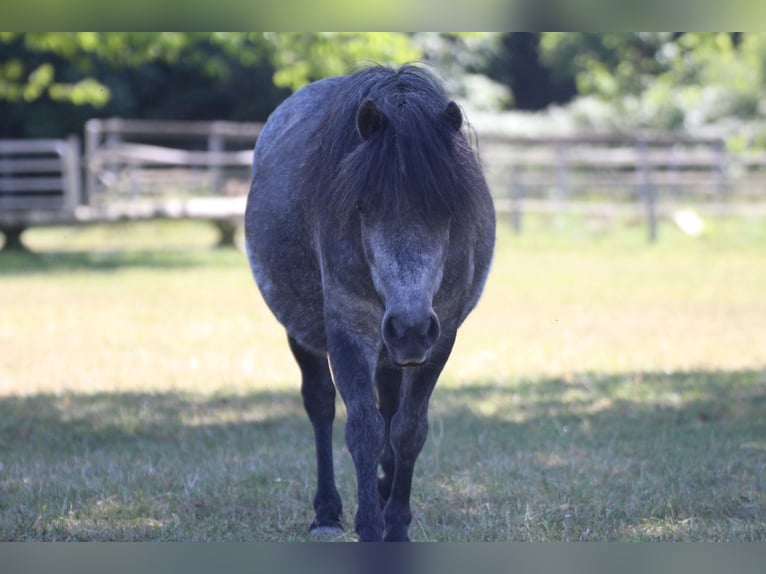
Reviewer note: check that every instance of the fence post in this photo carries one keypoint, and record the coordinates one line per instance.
(215, 147)
(562, 171)
(517, 194)
(646, 189)
(112, 133)
(72, 175)
(720, 168)
(92, 136)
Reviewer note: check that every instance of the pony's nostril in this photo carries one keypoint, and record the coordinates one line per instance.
(425, 332)
(393, 328)
(434, 330)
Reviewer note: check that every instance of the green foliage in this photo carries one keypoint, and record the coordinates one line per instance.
(298, 57)
(50, 83)
(28, 74)
(609, 65)
(668, 80)
(515, 62)
(86, 54)
(302, 57)
(461, 60)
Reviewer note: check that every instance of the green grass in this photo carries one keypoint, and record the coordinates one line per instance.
(604, 389)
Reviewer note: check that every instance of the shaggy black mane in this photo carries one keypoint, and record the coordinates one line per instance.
(417, 164)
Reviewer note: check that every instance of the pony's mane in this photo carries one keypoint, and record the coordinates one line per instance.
(417, 163)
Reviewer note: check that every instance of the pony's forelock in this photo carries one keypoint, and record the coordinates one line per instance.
(416, 165)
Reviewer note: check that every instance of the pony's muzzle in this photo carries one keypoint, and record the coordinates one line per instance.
(409, 337)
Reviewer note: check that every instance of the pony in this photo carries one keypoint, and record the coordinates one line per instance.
(369, 230)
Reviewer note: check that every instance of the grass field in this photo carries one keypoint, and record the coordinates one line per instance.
(604, 389)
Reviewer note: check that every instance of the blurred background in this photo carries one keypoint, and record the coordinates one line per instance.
(698, 83)
(633, 126)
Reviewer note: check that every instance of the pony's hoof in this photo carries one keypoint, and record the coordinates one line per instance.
(396, 537)
(327, 533)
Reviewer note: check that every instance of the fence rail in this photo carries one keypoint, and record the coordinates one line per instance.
(189, 158)
(131, 169)
(141, 169)
(582, 174)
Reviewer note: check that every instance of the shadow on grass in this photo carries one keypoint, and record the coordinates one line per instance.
(656, 456)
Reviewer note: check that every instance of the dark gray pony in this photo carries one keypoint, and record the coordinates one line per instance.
(370, 231)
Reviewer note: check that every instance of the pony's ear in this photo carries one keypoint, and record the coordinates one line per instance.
(453, 115)
(369, 119)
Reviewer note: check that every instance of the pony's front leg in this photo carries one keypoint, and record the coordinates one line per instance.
(353, 367)
(409, 430)
(388, 381)
(319, 401)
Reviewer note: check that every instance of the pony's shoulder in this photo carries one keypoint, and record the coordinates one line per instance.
(301, 111)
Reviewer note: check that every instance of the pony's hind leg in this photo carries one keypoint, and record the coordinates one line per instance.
(388, 382)
(318, 394)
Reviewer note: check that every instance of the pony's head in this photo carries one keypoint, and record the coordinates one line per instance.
(405, 219)
(408, 183)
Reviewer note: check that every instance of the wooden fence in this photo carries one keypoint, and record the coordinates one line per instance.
(646, 174)
(131, 169)
(141, 169)
(138, 159)
(39, 174)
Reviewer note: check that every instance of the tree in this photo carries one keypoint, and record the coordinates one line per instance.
(535, 85)
(665, 80)
(609, 65)
(51, 83)
(303, 57)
